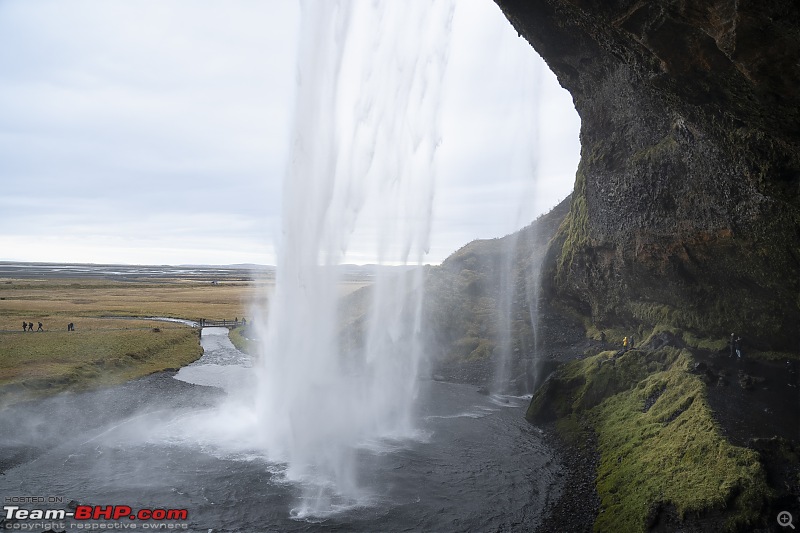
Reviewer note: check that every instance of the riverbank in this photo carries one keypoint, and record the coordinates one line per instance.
(576, 508)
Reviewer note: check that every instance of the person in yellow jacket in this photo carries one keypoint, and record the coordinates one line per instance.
(625, 344)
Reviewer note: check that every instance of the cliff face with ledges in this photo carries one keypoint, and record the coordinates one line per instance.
(686, 209)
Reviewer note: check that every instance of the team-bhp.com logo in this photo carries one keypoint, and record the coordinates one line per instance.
(117, 512)
(95, 512)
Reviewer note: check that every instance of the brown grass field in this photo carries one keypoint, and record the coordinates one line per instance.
(56, 302)
(104, 350)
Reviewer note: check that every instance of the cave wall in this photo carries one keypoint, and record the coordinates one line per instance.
(686, 209)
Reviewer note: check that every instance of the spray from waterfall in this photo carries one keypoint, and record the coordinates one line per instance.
(518, 263)
(363, 150)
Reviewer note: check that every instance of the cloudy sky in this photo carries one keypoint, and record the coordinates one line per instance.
(155, 132)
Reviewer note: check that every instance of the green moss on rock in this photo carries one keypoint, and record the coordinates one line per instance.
(574, 231)
(660, 447)
(670, 454)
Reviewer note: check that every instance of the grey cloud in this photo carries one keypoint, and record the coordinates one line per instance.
(120, 119)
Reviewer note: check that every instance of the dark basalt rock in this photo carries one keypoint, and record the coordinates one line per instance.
(686, 209)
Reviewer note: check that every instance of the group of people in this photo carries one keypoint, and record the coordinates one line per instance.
(28, 326)
(627, 343)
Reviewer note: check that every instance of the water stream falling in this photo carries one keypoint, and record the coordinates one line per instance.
(504, 351)
(519, 260)
(365, 131)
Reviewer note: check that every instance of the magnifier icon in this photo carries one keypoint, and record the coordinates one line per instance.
(785, 519)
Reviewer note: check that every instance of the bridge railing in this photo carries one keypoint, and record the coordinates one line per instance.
(206, 323)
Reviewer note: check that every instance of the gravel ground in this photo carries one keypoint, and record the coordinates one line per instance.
(576, 508)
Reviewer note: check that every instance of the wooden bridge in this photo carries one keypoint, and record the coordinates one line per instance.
(206, 323)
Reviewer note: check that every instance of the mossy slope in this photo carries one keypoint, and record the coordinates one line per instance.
(660, 447)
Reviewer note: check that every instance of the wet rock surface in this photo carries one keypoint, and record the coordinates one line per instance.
(688, 192)
(753, 399)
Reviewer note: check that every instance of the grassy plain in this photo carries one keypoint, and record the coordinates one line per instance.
(105, 348)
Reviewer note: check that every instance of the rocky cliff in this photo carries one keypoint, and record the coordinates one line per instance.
(482, 303)
(686, 208)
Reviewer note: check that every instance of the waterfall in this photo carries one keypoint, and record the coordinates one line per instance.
(517, 303)
(506, 296)
(365, 135)
(518, 264)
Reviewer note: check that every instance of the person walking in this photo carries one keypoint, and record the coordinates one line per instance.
(24, 326)
(733, 345)
(625, 344)
(40, 327)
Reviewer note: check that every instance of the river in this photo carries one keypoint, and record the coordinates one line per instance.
(474, 464)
